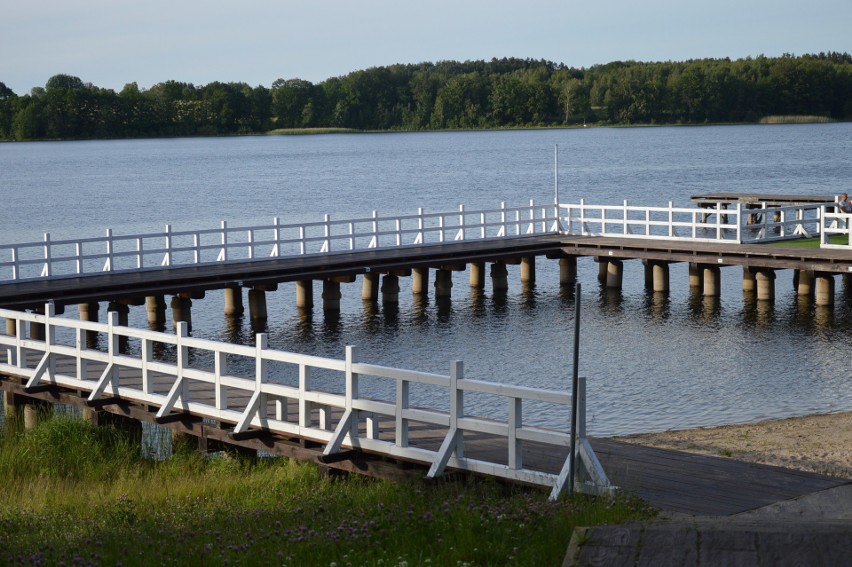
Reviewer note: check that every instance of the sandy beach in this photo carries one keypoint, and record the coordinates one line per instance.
(817, 443)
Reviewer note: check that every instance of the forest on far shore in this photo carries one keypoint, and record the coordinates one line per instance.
(501, 93)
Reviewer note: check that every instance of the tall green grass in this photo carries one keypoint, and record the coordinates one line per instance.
(79, 495)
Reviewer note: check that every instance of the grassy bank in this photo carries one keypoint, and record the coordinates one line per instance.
(79, 495)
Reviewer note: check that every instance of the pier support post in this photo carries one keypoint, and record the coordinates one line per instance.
(12, 406)
(331, 295)
(443, 283)
(477, 275)
(123, 311)
(88, 311)
(765, 285)
(499, 277)
(749, 280)
(155, 305)
(603, 267)
(824, 288)
(712, 281)
(305, 294)
(257, 304)
(420, 281)
(656, 275)
(614, 274)
(390, 288)
(36, 411)
(130, 427)
(37, 329)
(370, 286)
(528, 269)
(568, 270)
(234, 301)
(696, 277)
(181, 310)
(804, 282)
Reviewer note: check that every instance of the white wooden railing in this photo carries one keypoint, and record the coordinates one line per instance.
(737, 224)
(243, 386)
(833, 223)
(51, 258)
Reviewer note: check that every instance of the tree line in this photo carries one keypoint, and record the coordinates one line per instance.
(501, 93)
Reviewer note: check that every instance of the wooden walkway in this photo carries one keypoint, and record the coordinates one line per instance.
(669, 480)
(136, 284)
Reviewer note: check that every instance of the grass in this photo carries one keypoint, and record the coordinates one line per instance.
(79, 495)
(813, 242)
(795, 119)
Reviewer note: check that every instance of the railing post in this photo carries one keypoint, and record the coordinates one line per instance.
(515, 422)
(457, 403)
(261, 373)
(398, 232)
(109, 245)
(250, 243)
(196, 252)
(531, 227)
(302, 240)
(46, 271)
(140, 261)
(167, 258)
(624, 218)
(482, 231)
(220, 368)
(402, 395)
(15, 273)
(351, 236)
(671, 219)
(461, 232)
(739, 223)
(327, 245)
(223, 253)
(276, 236)
(182, 331)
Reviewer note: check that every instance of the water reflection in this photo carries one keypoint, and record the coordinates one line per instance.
(658, 305)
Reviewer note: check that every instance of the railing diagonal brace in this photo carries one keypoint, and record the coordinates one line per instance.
(448, 448)
(343, 428)
(249, 413)
(174, 394)
(42, 367)
(105, 378)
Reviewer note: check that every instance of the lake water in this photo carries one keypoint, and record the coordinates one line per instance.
(652, 363)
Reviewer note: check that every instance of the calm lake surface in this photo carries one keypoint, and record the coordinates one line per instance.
(652, 362)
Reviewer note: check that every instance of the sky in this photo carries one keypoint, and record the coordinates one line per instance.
(110, 43)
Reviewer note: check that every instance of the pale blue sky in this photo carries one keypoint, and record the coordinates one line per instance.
(113, 42)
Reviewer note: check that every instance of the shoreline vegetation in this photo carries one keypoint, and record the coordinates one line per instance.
(76, 494)
(447, 95)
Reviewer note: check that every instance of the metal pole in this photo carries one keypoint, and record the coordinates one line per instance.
(574, 387)
(556, 175)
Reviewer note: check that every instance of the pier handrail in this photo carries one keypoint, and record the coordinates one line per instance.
(738, 224)
(834, 222)
(113, 252)
(233, 374)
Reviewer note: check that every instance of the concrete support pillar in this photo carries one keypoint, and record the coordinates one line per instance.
(257, 304)
(305, 294)
(659, 272)
(603, 265)
(804, 280)
(568, 270)
(181, 310)
(420, 281)
(765, 285)
(749, 280)
(155, 305)
(37, 329)
(443, 283)
(36, 411)
(696, 277)
(131, 428)
(390, 288)
(123, 311)
(824, 288)
(614, 274)
(477, 275)
(712, 281)
(499, 277)
(528, 269)
(370, 287)
(88, 311)
(234, 301)
(331, 295)
(12, 407)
